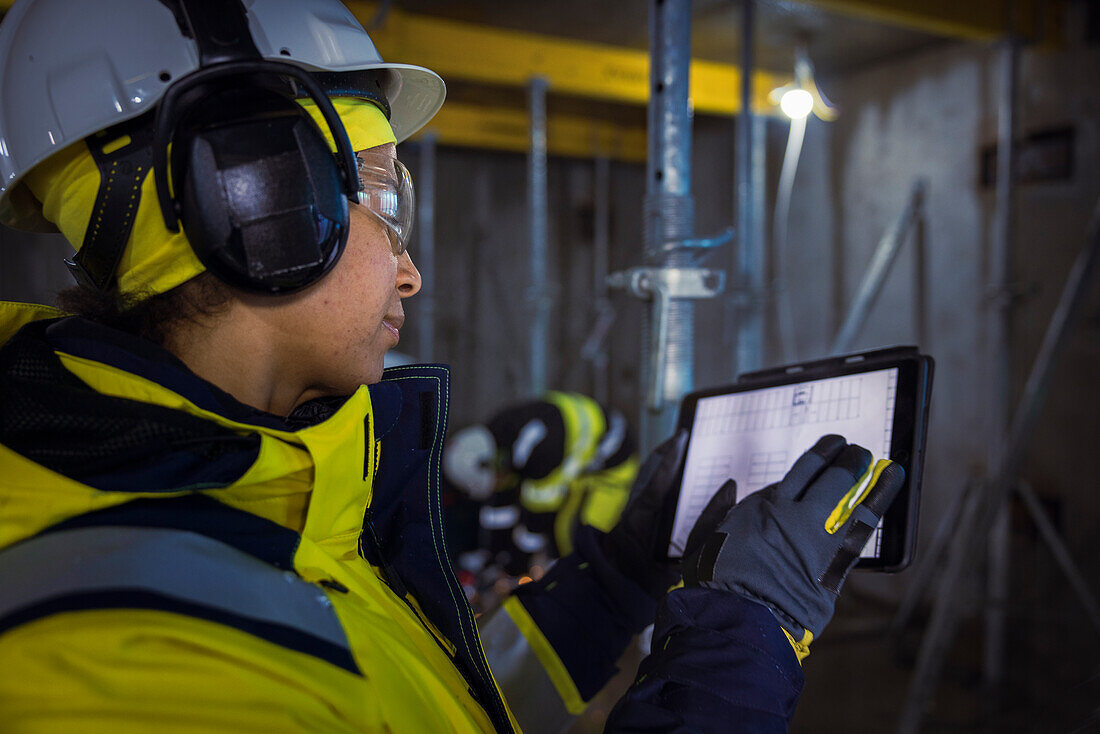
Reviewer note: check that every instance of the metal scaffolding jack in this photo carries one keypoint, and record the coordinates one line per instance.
(967, 533)
(664, 287)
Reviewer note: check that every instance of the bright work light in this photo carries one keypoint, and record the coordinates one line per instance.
(801, 96)
(796, 103)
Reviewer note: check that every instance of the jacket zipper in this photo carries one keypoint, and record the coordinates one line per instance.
(370, 535)
(466, 617)
(495, 706)
(393, 579)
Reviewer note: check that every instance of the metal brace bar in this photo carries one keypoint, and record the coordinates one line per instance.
(927, 571)
(1061, 552)
(885, 255)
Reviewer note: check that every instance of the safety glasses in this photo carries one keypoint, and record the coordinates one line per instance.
(386, 191)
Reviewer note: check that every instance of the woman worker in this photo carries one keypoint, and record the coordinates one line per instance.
(217, 513)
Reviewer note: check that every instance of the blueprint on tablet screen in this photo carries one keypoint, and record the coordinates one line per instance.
(754, 437)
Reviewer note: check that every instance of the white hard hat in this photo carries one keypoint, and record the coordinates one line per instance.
(70, 68)
(469, 461)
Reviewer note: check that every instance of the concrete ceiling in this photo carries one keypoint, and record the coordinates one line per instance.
(838, 43)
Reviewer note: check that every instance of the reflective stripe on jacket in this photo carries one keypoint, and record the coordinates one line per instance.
(581, 489)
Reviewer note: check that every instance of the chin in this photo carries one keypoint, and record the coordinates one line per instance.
(351, 380)
(372, 374)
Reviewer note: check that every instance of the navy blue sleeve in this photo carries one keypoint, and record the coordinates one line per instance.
(588, 612)
(720, 662)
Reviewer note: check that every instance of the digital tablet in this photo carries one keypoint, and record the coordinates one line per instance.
(753, 431)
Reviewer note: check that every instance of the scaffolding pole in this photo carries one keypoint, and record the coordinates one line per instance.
(670, 278)
(425, 250)
(669, 210)
(601, 241)
(750, 250)
(920, 280)
(538, 291)
(1000, 356)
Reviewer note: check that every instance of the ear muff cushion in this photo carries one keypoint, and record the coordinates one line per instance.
(259, 193)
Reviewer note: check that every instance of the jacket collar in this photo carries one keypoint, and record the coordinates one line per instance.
(62, 406)
(137, 356)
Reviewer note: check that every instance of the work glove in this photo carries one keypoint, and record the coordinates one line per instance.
(791, 545)
(631, 547)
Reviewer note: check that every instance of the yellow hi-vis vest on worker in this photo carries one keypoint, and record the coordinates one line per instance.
(580, 489)
(158, 595)
(584, 424)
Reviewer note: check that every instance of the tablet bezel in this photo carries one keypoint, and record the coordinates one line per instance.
(907, 440)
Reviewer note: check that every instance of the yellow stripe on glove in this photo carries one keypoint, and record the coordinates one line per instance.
(855, 495)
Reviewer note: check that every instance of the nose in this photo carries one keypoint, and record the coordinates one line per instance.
(408, 277)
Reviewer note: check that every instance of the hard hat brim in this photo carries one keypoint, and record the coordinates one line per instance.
(414, 93)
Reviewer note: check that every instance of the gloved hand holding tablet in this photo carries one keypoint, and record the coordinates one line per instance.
(752, 432)
(791, 545)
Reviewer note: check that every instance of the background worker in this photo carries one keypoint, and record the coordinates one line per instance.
(536, 471)
(218, 514)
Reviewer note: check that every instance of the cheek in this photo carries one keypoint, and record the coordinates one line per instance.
(371, 283)
(369, 259)
(358, 297)
(347, 309)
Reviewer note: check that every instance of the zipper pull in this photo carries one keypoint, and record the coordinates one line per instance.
(392, 579)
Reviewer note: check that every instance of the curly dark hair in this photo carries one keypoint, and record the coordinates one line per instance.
(151, 317)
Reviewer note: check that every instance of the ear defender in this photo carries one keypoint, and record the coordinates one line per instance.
(257, 190)
(262, 200)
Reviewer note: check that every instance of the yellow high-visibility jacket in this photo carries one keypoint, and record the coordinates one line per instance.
(171, 560)
(174, 561)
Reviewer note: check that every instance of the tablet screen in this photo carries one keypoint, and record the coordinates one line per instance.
(754, 436)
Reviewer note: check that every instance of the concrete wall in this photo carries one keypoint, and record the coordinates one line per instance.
(929, 116)
(481, 254)
(481, 245)
(914, 118)
(1059, 89)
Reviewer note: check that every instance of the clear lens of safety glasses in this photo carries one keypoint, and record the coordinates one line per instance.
(386, 191)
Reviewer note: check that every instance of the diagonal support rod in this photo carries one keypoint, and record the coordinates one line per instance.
(969, 540)
(881, 262)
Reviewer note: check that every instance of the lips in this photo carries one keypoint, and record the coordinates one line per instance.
(393, 325)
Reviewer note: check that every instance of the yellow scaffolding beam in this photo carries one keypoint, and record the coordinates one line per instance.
(470, 52)
(476, 53)
(477, 126)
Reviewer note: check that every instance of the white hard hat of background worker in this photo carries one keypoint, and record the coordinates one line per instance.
(471, 461)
